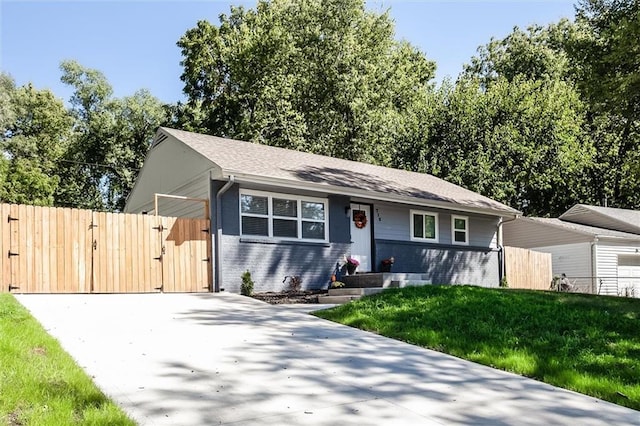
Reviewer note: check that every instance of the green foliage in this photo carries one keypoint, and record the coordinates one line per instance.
(246, 288)
(87, 156)
(585, 343)
(112, 138)
(39, 382)
(34, 134)
(606, 55)
(520, 142)
(535, 54)
(504, 283)
(320, 76)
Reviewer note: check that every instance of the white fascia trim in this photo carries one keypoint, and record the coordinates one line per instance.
(365, 194)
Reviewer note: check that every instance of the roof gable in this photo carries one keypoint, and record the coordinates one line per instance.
(255, 161)
(622, 220)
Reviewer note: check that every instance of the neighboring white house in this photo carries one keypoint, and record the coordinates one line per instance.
(597, 247)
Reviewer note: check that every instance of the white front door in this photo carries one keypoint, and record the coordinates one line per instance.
(361, 236)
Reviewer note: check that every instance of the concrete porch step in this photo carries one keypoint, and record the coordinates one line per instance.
(345, 295)
(342, 291)
(385, 280)
(338, 300)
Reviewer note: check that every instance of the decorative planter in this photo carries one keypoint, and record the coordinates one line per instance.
(386, 267)
(351, 268)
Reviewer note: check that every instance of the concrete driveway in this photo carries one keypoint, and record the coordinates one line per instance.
(178, 359)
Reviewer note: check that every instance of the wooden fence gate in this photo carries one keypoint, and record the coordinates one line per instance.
(59, 250)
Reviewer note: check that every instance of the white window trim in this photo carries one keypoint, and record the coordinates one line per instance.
(270, 216)
(423, 213)
(454, 230)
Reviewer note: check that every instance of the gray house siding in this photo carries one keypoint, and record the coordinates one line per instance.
(393, 222)
(163, 172)
(270, 261)
(442, 264)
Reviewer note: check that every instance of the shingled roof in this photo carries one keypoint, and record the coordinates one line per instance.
(623, 220)
(263, 163)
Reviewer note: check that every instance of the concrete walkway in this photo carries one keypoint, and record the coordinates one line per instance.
(176, 359)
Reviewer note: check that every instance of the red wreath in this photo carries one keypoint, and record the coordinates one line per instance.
(360, 218)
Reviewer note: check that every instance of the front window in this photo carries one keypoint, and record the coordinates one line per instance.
(460, 230)
(283, 216)
(424, 226)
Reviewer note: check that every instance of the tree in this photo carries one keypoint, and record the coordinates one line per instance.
(35, 132)
(606, 54)
(519, 142)
(539, 53)
(320, 76)
(112, 138)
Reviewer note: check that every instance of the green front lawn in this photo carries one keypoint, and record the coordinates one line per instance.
(589, 344)
(40, 384)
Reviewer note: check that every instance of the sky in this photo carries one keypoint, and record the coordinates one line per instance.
(134, 42)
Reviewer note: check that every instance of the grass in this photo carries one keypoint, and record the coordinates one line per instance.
(586, 343)
(40, 383)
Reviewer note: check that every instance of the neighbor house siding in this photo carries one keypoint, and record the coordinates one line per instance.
(393, 222)
(607, 263)
(527, 233)
(571, 259)
(443, 265)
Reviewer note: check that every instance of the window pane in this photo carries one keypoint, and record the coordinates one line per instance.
(254, 204)
(429, 226)
(313, 211)
(313, 230)
(255, 226)
(285, 228)
(287, 208)
(460, 224)
(460, 236)
(418, 226)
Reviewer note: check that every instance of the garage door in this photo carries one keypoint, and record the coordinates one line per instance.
(629, 275)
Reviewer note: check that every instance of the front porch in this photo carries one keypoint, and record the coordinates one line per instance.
(365, 284)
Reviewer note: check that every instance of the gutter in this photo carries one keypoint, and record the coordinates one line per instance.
(218, 246)
(501, 262)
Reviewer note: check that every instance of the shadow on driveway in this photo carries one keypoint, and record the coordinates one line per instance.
(223, 358)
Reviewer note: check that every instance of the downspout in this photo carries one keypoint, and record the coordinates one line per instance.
(501, 263)
(218, 247)
(594, 267)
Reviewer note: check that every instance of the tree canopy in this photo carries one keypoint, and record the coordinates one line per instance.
(87, 155)
(322, 76)
(541, 119)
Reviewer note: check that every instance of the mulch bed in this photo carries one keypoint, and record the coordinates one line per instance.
(289, 296)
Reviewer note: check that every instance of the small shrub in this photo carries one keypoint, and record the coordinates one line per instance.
(504, 283)
(295, 283)
(246, 288)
